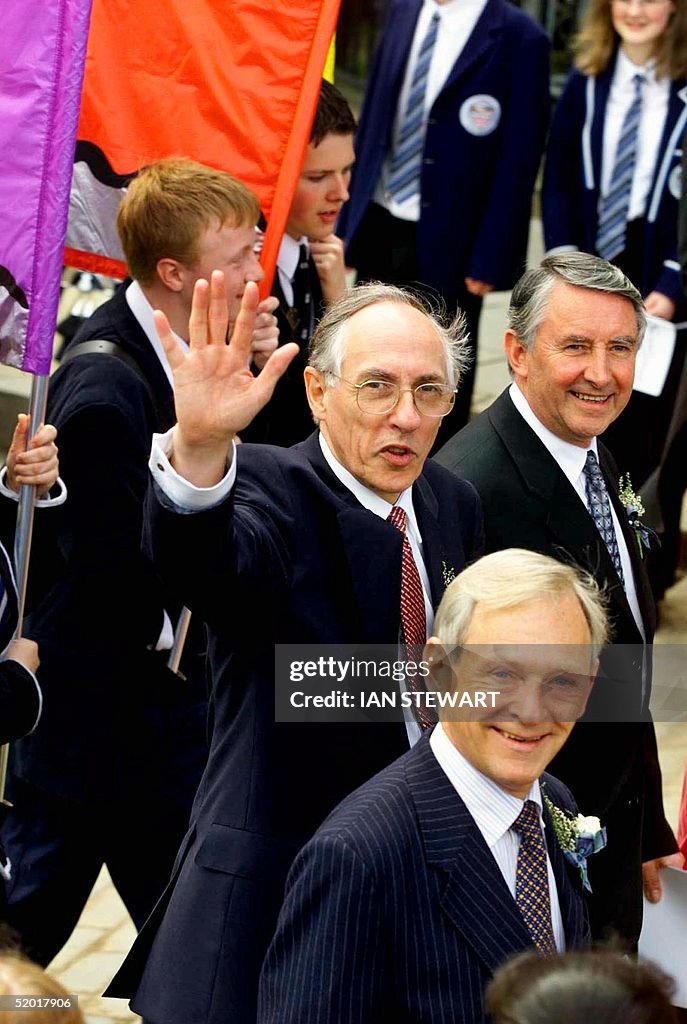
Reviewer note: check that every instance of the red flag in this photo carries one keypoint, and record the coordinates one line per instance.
(233, 85)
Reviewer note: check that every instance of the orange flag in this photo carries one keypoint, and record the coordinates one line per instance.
(233, 85)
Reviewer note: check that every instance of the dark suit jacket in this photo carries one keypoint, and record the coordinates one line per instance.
(287, 419)
(115, 720)
(572, 178)
(476, 184)
(612, 769)
(397, 911)
(290, 557)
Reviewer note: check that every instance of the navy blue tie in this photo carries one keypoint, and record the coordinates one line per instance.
(599, 505)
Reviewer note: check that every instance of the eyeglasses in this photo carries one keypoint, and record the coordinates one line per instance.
(379, 397)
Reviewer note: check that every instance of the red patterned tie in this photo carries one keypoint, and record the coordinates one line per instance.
(532, 879)
(413, 619)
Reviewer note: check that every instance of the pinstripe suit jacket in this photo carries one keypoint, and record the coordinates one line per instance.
(397, 911)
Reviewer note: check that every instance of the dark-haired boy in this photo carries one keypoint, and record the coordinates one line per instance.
(311, 272)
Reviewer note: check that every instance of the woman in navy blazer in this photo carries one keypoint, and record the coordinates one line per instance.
(618, 40)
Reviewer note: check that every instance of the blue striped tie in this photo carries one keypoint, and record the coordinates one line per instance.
(599, 505)
(613, 208)
(406, 163)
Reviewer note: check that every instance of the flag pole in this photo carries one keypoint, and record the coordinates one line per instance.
(23, 533)
(27, 495)
(180, 632)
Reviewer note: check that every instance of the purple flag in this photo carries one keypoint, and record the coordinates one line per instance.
(42, 54)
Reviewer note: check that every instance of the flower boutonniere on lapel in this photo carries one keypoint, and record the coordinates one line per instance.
(448, 572)
(578, 837)
(634, 509)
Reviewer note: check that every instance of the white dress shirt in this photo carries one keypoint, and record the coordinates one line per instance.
(571, 459)
(457, 19)
(287, 262)
(143, 312)
(494, 812)
(655, 96)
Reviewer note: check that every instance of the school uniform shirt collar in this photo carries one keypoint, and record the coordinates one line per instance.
(289, 254)
(625, 71)
(143, 313)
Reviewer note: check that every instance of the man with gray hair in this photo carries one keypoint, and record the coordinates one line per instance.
(447, 863)
(349, 537)
(547, 484)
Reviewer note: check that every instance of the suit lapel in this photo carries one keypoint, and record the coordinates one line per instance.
(645, 598)
(568, 885)
(601, 85)
(454, 846)
(572, 529)
(488, 25)
(402, 31)
(373, 552)
(427, 511)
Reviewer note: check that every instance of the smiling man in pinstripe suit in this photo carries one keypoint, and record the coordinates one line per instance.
(427, 878)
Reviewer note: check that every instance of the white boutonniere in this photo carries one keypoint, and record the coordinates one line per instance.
(634, 509)
(448, 572)
(578, 835)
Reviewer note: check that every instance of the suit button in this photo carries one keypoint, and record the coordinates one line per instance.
(428, 160)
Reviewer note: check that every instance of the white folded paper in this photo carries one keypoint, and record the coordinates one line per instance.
(654, 356)
(664, 931)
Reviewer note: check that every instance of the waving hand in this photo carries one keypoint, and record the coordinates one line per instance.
(215, 393)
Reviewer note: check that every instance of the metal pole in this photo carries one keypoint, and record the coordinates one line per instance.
(27, 495)
(24, 530)
(179, 639)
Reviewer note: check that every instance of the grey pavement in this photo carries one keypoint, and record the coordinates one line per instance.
(105, 931)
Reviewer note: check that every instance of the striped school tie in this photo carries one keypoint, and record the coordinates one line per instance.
(406, 162)
(613, 208)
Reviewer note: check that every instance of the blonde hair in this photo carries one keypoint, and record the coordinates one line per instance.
(20, 977)
(169, 205)
(512, 577)
(596, 42)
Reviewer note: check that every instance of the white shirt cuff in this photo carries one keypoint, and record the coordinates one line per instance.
(183, 494)
(46, 502)
(166, 638)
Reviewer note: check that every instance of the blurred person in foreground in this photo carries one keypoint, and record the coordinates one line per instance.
(39, 997)
(579, 988)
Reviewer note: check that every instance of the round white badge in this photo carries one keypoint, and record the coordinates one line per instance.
(675, 182)
(480, 114)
